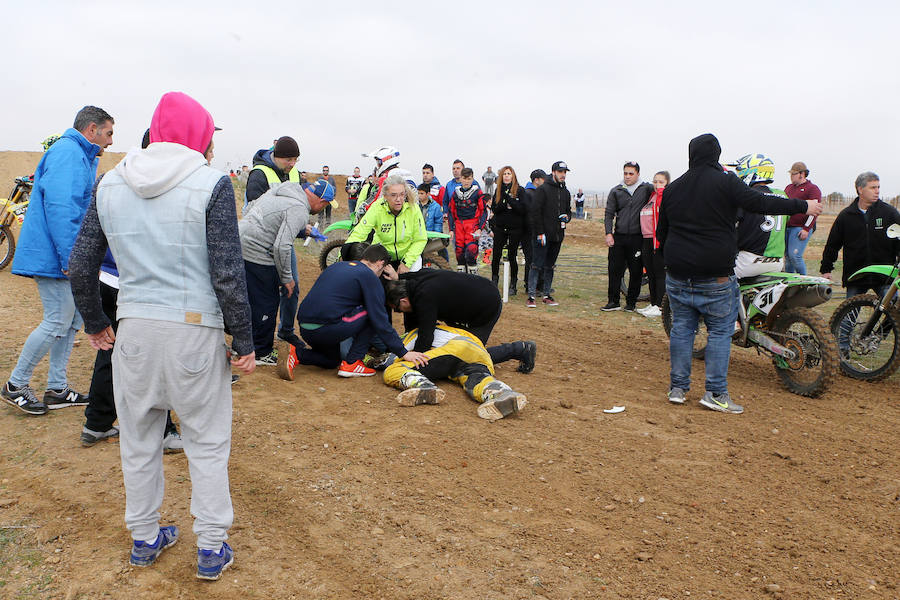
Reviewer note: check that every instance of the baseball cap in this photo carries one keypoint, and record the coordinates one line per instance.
(560, 165)
(538, 174)
(799, 167)
(323, 190)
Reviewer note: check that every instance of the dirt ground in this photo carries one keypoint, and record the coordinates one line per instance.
(340, 493)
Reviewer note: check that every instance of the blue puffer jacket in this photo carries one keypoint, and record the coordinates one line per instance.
(433, 215)
(63, 183)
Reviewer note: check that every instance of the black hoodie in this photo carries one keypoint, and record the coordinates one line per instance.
(698, 212)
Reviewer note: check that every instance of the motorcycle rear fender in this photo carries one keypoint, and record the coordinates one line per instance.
(886, 270)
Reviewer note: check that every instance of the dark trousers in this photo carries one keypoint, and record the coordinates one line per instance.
(542, 267)
(263, 285)
(100, 413)
(510, 239)
(327, 213)
(325, 341)
(656, 271)
(287, 307)
(527, 243)
(626, 252)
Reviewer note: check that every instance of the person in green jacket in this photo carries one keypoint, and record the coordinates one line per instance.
(395, 221)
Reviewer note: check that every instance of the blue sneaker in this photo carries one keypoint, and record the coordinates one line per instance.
(143, 554)
(211, 564)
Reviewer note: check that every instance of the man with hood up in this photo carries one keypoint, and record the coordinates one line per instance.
(170, 221)
(696, 231)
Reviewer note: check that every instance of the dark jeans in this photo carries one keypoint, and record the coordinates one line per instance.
(351, 206)
(856, 290)
(527, 243)
(327, 213)
(100, 413)
(325, 341)
(717, 302)
(626, 252)
(509, 239)
(656, 271)
(542, 267)
(263, 285)
(287, 307)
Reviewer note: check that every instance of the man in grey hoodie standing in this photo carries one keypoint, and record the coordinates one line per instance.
(169, 219)
(267, 232)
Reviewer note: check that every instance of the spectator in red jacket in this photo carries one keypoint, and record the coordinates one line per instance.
(467, 220)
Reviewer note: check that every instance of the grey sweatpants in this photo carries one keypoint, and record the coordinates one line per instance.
(160, 366)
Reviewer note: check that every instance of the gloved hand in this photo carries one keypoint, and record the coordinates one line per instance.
(542, 239)
(316, 235)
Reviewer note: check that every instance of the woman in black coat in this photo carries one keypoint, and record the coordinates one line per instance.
(509, 223)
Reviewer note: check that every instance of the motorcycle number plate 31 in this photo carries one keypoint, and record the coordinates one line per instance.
(769, 297)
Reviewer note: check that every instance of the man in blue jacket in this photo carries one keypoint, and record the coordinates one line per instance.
(346, 303)
(62, 192)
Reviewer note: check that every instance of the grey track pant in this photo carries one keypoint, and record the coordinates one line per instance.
(161, 365)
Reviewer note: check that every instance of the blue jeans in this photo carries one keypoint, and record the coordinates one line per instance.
(717, 303)
(55, 334)
(543, 261)
(794, 249)
(579, 211)
(288, 305)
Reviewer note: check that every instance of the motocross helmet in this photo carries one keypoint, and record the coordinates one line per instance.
(49, 141)
(755, 168)
(385, 158)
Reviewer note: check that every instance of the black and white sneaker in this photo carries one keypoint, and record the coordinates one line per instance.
(269, 360)
(23, 398)
(63, 398)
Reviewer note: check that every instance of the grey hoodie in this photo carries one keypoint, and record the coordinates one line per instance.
(270, 226)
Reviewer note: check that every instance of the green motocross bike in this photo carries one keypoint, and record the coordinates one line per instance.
(867, 328)
(775, 317)
(331, 251)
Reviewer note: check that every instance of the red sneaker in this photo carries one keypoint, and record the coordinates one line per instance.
(357, 369)
(286, 363)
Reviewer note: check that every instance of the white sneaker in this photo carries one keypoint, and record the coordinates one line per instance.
(173, 443)
(651, 311)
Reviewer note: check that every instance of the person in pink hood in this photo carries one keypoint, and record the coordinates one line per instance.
(170, 221)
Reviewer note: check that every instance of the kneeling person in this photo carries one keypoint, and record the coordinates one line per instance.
(431, 295)
(459, 356)
(346, 301)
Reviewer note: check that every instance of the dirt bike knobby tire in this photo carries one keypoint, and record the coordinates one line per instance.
(331, 247)
(827, 348)
(893, 361)
(8, 240)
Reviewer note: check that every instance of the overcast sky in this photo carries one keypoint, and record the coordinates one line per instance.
(494, 83)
